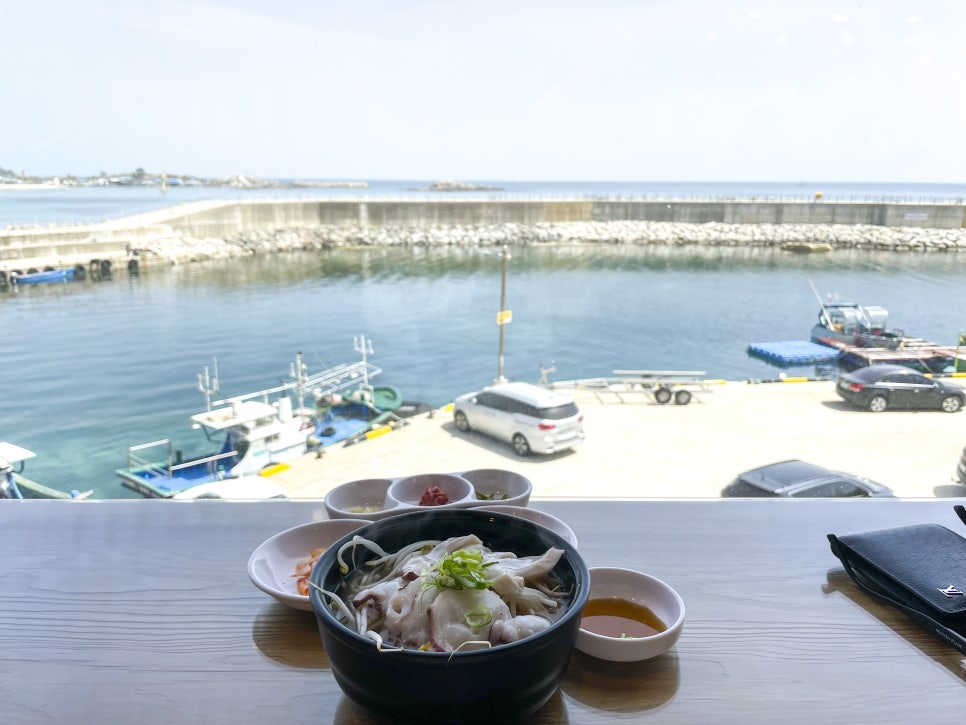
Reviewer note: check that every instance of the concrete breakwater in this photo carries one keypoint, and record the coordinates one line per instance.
(781, 236)
(221, 229)
(838, 236)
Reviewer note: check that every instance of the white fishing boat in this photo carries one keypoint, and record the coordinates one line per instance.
(258, 433)
(13, 485)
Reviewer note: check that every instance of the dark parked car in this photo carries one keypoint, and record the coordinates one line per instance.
(880, 387)
(798, 479)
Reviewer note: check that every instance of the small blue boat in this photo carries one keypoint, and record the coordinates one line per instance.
(48, 275)
(345, 418)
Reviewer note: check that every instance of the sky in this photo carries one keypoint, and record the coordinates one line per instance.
(589, 90)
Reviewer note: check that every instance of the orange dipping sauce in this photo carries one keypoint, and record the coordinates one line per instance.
(620, 618)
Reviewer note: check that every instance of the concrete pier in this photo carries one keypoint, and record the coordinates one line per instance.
(639, 449)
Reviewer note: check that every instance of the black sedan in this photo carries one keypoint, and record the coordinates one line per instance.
(880, 387)
(798, 479)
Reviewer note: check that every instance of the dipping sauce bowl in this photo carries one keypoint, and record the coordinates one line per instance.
(630, 616)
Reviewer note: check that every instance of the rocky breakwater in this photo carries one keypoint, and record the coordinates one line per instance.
(779, 236)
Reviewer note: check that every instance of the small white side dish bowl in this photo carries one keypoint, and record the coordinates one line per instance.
(498, 487)
(272, 565)
(410, 489)
(537, 517)
(640, 588)
(365, 499)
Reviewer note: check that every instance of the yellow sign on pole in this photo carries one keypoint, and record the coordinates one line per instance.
(504, 317)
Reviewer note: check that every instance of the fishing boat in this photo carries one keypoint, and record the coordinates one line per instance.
(851, 324)
(345, 417)
(48, 275)
(13, 485)
(847, 325)
(257, 434)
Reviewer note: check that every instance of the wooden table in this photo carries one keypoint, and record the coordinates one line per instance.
(142, 612)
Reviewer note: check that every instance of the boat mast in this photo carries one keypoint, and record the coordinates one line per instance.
(828, 320)
(208, 385)
(297, 371)
(364, 347)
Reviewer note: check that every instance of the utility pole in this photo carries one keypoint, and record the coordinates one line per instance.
(504, 316)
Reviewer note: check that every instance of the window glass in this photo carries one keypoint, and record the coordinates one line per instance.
(741, 489)
(558, 412)
(500, 402)
(488, 400)
(831, 489)
(530, 410)
(515, 406)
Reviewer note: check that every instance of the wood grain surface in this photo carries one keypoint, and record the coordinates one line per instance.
(142, 611)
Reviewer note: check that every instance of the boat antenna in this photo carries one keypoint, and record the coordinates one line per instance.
(297, 371)
(545, 374)
(828, 320)
(364, 347)
(208, 385)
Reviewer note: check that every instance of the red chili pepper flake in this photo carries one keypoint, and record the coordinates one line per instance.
(433, 497)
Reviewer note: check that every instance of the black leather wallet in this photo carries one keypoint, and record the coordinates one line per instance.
(920, 570)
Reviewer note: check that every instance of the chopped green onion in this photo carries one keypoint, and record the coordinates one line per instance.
(462, 569)
(495, 496)
(478, 616)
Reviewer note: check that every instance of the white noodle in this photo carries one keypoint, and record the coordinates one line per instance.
(543, 596)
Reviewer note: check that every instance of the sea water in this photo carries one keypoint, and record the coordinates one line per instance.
(90, 368)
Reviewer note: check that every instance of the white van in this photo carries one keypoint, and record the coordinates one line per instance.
(527, 416)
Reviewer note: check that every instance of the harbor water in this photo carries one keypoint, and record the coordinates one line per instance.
(90, 368)
(93, 367)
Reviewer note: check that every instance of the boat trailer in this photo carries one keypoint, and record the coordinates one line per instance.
(659, 386)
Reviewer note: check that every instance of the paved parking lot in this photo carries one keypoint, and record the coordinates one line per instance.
(639, 449)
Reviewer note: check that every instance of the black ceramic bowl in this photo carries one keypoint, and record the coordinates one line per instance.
(505, 682)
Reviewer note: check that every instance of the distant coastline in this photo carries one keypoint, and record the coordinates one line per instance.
(238, 182)
(30, 187)
(164, 181)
